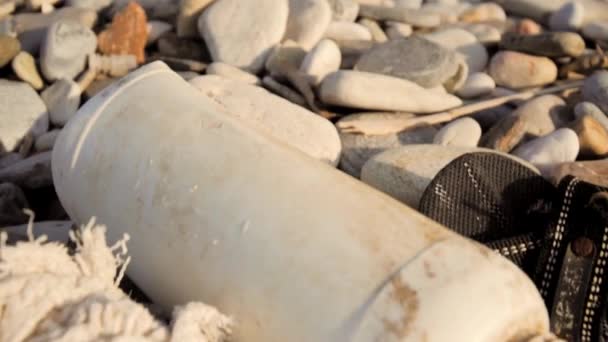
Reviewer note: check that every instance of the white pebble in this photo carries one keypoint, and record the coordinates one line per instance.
(477, 84)
(342, 30)
(464, 132)
(322, 60)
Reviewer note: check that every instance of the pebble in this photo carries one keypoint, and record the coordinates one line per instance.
(32, 27)
(65, 50)
(284, 57)
(365, 90)
(322, 60)
(414, 59)
(274, 116)
(588, 108)
(307, 22)
(597, 30)
(24, 66)
(397, 30)
(10, 158)
(96, 5)
(343, 30)
(32, 173)
(246, 38)
(128, 33)
(490, 116)
(344, 10)
(9, 48)
(156, 29)
(171, 46)
(505, 134)
(463, 42)
(46, 141)
(413, 4)
(483, 12)
(232, 73)
(12, 203)
(477, 84)
(558, 147)
(414, 17)
(592, 137)
(62, 99)
(22, 113)
(527, 26)
(374, 28)
(373, 123)
(189, 12)
(595, 171)
(543, 114)
(595, 89)
(464, 132)
(519, 70)
(549, 44)
(485, 34)
(357, 149)
(569, 17)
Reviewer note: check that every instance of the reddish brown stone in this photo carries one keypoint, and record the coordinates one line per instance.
(527, 26)
(127, 35)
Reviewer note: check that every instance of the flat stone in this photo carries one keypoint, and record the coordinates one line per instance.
(12, 203)
(96, 5)
(344, 10)
(22, 113)
(272, 115)
(364, 90)
(32, 173)
(62, 99)
(405, 172)
(231, 72)
(65, 50)
(569, 17)
(447, 13)
(592, 137)
(414, 59)
(597, 30)
(171, 46)
(550, 44)
(373, 123)
(397, 30)
(345, 31)
(477, 84)
(463, 42)
(595, 172)
(357, 149)
(558, 147)
(519, 70)
(322, 60)
(374, 28)
(307, 22)
(284, 57)
(128, 33)
(595, 89)
(189, 12)
(9, 48)
(414, 17)
(588, 108)
(490, 116)
(241, 33)
(156, 29)
(464, 132)
(46, 141)
(32, 27)
(24, 66)
(413, 4)
(485, 34)
(543, 115)
(505, 134)
(484, 12)
(526, 26)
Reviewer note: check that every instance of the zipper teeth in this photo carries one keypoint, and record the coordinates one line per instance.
(517, 249)
(556, 239)
(593, 298)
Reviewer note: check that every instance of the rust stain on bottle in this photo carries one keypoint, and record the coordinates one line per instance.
(407, 299)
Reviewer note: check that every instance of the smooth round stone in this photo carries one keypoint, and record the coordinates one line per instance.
(374, 28)
(412, 4)
(519, 70)
(595, 172)
(231, 72)
(357, 149)
(484, 12)
(550, 44)
(24, 66)
(156, 29)
(397, 30)
(95, 5)
(371, 91)
(486, 34)
(589, 109)
(189, 11)
(414, 59)
(464, 132)
(558, 147)
(405, 172)
(9, 48)
(344, 10)
(345, 31)
(505, 134)
(569, 17)
(592, 137)
(597, 30)
(322, 60)
(543, 114)
(274, 116)
(307, 22)
(286, 56)
(22, 112)
(526, 26)
(46, 141)
(62, 99)
(595, 89)
(373, 123)
(241, 33)
(447, 13)
(477, 84)
(170, 45)
(463, 42)
(65, 50)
